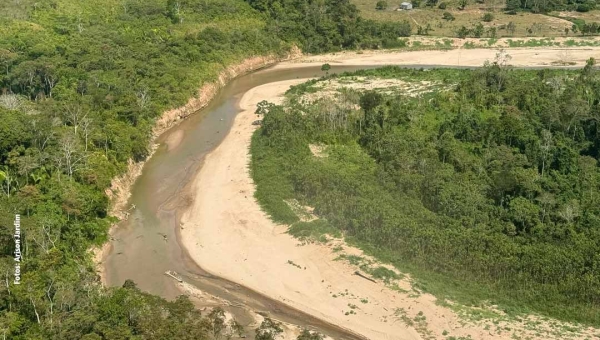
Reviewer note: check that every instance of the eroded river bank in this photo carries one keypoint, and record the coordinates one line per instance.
(149, 243)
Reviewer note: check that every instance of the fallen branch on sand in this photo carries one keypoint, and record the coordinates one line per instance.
(173, 275)
(364, 277)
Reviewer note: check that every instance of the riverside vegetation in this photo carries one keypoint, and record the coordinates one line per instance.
(485, 189)
(81, 85)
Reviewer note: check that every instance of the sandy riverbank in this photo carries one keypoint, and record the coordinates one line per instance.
(520, 57)
(227, 234)
(121, 186)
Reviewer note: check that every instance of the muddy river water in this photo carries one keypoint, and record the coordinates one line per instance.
(146, 245)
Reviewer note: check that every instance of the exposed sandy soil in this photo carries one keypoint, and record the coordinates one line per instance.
(227, 234)
(210, 301)
(330, 90)
(523, 57)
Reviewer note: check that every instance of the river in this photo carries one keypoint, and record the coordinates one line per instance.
(146, 245)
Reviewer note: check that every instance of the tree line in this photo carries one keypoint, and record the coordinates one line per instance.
(490, 186)
(329, 25)
(81, 84)
(545, 6)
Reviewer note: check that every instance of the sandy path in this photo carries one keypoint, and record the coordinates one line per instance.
(458, 57)
(227, 234)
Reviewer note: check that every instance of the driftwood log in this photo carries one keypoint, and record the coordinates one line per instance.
(363, 276)
(174, 276)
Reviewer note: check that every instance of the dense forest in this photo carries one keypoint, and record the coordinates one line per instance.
(486, 190)
(545, 6)
(321, 26)
(81, 84)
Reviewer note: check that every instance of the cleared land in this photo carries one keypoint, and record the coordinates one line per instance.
(526, 24)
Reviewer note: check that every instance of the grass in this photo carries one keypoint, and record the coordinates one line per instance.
(545, 26)
(437, 43)
(472, 299)
(384, 274)
(585, 16)
(579, 43)
(316, 230)
(531, 42)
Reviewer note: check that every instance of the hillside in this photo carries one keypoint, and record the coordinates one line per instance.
(446, 18)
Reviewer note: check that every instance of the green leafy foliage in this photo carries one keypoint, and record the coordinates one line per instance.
(81, 86)
(545, 7)
(268, 330)
(329, 25)
(491, 187)
(308, 335)
(488, 17)
(381, 5)
(448, 16)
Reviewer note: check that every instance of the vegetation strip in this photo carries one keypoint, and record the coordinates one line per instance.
(484, 190)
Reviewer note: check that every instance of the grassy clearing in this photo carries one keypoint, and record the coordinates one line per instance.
(526, 24)
(592, 16)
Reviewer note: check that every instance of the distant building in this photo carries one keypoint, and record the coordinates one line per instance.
(406, 6)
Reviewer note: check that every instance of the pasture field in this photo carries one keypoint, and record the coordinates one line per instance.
(525, 24)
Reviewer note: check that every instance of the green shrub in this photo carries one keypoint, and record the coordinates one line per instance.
(381, 5)
(313, 230)
(478, 30)
(448, 16)
(583, 8)
(488, 17)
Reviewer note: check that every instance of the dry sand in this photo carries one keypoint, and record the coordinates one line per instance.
(523, 57)
(228, 235)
